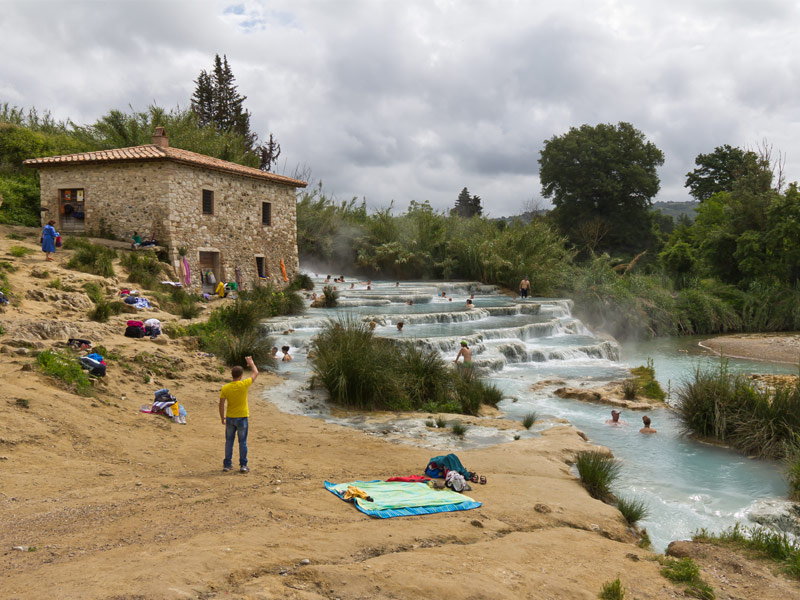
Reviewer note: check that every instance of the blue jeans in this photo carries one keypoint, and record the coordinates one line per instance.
(234, 426)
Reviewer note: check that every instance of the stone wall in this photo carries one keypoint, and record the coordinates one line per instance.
(165, 198)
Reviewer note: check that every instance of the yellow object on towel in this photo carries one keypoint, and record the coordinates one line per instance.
(176, 410)
(220, 291)
(354, 492)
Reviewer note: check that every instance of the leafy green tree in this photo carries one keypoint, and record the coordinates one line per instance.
(467, 206)
(605, 172)
(717, 171)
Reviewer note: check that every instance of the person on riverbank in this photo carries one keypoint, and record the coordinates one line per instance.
(235, 415)
(49, 235)
(647, 428)
(466, 367)
(614, 420)
(524, 287)
(136, 240)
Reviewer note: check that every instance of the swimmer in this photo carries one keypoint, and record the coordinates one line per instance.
(614, 420)
(286, 356)
(470, 304)
(400, 326)
(646, 428)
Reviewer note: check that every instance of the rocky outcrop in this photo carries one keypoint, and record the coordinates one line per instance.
(601, 395)
(778, 514)
(65, 300)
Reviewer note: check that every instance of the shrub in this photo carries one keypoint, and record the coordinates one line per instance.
(180, 302)
(597, 471)
(733, 409)
(685, 570)
(430, 423)
(16, 237)
(529, 419)
(20, 251)
(66, 368)
(330, 297)
(274, 302)
(232, 349)
(633, 510)
(23, 402)
(459, 429)
(441, 422)
(612, 590)
(302, 282)
(143, 268)
(40, 274)
(793, 476)
(91, 258)
(647, 384)
(629, 389)
(104, 309)
(240, 317)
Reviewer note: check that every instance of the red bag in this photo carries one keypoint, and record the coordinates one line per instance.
(58, 241)
(135, 324)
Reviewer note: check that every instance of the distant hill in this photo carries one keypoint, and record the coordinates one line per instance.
(676, 209)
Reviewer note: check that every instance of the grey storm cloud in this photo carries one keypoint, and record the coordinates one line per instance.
(414, 100)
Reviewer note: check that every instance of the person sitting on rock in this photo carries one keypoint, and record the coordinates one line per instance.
(646, 428)
(614, 420)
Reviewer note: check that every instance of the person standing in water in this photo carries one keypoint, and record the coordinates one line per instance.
(646, 428)
(524, 287)
(466, 367)
(614, 420)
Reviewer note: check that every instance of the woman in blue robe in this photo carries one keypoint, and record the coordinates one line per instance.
(49, 235)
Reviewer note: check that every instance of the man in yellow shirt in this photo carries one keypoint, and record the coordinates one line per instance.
(235, 417)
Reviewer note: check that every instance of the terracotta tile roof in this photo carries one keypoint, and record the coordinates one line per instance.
(153, 152)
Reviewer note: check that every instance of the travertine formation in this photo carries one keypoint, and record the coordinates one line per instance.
(224, 216)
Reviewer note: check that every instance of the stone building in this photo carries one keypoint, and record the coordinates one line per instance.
(234, 221)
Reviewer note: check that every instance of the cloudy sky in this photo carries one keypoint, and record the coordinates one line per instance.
(416, 99)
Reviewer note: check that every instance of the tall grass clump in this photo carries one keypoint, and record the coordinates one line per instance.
(756, 419)
(793, 475)
(597, 471)
(182, 303)
(64, 367)
(685, 570)
(330, 297)
(646, 382)
(143, 267)
(459, 429)
(232, 349)
(629, 389)
(103, 308)
(633, 510)
(363, 371)
(762, 541)
(90, 258)
(612, 590)
(529, 419)
(272, 301)
(302, 281)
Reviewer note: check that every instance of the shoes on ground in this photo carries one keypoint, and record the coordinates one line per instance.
(225, 469)
(244, 469)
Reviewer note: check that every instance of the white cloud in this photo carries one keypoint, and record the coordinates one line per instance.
(417, 99)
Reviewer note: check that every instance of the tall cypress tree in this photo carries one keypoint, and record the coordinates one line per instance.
(203, 99)
(466, 205)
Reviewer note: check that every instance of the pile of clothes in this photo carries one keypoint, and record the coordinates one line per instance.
(166, 404)
(95, 363)
(132, 297)
(455, 475)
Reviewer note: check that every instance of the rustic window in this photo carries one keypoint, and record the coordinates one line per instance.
(260, 266)
(208, 202)
(266, 213)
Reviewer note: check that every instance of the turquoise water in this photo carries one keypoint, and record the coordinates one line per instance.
(517, 343)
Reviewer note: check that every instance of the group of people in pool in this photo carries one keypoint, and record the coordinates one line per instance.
(615, 420)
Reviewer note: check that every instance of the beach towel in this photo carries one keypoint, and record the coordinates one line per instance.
(142, 303)
(188, 272)
(438, 466)
(402, 498)
(283, 271)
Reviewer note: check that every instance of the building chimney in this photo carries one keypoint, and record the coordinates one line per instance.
(160, 138)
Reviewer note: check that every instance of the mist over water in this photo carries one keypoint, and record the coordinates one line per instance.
(518, 343)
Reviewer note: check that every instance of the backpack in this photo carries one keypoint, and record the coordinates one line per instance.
(135, 324)
(134, 331)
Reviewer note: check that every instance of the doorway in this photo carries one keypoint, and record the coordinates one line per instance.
(210, 272)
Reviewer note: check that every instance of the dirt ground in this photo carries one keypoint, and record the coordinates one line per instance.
(779, 347)
(113, 503)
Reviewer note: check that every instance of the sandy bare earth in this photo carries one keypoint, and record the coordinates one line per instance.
(118, 504)
(775, 347)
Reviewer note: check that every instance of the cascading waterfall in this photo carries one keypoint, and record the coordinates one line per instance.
(521, 345)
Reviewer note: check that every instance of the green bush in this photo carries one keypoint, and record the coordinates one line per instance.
(633, 510)
(629, 389)
(733, 409)
(301, 282)
(597, 471)
(612, 590)
(646, 382)
(232, 349)
(273, 302)
(143, 267)
(685, 570)
(180, 302)
(66, 368)
(20, 251)
(441, 422)
(330, 297)
(16, 237)
(104, 309)
(91, 258)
